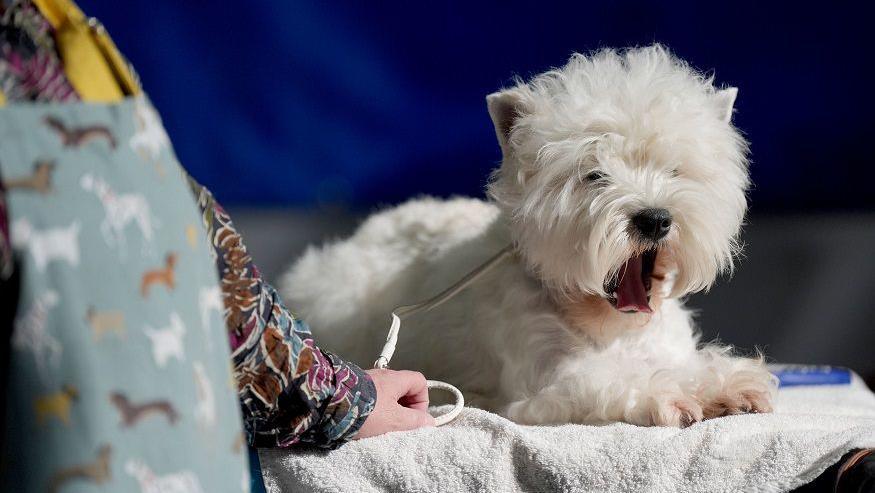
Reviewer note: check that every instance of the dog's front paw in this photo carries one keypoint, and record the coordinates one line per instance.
(676, 410)
(745, 391)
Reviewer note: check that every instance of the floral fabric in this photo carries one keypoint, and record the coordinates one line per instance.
(289, 389)
(30, 68)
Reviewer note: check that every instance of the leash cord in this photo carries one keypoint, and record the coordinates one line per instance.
(405, 311)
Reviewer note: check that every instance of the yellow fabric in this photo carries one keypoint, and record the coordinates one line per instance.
(2, 98)
(115, 59)
(92, 63)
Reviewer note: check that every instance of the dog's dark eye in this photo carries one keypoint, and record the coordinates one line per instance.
(595, 176)
(674, 172)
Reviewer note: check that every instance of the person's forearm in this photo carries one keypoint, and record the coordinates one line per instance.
(290, 390)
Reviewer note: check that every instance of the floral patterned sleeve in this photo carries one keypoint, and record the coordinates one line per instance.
(290, 390)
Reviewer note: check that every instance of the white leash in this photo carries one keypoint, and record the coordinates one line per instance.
(445, 295)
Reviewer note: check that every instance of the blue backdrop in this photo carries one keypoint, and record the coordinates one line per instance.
(363, 103)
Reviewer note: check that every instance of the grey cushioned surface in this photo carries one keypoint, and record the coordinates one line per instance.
(803, 290)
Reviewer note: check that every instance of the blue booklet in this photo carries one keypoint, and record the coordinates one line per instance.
(795, 375)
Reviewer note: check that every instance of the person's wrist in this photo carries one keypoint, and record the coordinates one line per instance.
(354, 399)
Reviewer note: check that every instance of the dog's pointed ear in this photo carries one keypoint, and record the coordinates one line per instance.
(724, 99)
(504, 109)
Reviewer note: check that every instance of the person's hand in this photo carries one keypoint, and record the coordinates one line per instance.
(402, 403)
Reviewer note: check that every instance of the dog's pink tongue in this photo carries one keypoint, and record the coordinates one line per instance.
(631, 294)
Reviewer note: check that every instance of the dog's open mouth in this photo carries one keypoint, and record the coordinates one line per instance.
(629, 290)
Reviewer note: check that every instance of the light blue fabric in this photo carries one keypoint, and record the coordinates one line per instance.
(119, 358)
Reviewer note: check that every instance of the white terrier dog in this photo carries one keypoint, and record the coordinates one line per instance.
(622, 189)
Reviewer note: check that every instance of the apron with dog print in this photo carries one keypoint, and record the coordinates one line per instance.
(119, 370)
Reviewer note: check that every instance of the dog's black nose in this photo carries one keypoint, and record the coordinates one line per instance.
(653, 224)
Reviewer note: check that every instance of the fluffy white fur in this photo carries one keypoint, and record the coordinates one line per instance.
(537, 340)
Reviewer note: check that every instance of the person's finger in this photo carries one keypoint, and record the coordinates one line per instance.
(409, 383)
(417, 401)
(417, 395)
(411, 419)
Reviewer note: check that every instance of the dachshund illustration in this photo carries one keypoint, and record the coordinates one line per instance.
(57, 404)
(77, 137)
(132, 413)
(98, 472)
(102, 322)
(163, 276)
(39, 181)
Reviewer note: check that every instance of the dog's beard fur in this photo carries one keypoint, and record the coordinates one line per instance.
(588, 145)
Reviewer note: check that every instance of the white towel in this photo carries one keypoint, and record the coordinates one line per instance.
(810, 430)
